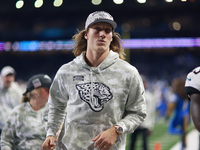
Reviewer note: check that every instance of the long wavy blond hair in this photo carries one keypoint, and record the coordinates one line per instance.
(81, 44)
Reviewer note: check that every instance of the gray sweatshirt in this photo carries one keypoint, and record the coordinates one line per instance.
(90, 100)
(9, 98)
(25, 128)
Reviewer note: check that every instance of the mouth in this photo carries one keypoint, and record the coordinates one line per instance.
(101, 42)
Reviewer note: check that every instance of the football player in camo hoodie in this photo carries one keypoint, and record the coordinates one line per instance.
(98, 95)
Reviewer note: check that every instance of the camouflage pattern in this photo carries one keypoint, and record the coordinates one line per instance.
(9, 98)
(25, 128)
(95, 99)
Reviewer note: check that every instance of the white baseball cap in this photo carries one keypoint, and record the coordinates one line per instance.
(7, 70)
(100, 16)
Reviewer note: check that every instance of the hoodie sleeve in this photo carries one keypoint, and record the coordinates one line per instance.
(135, 110)
(8, 133)
(57, 104)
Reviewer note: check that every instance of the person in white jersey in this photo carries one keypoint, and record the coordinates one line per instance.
(192, 88)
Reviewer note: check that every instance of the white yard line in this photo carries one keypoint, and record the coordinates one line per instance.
(192, 141)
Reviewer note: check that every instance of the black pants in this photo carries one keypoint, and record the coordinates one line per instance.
(144, 133)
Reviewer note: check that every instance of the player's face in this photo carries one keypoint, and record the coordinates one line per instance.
(7, 80)
(41, 94)
(99, 37)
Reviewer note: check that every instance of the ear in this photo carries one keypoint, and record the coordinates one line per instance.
(85, 36)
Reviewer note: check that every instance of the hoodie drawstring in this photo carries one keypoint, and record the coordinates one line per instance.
(100, 73)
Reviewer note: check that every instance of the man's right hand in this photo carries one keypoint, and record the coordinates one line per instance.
(49, 143)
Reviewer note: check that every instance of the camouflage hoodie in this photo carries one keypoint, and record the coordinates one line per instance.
(92, 100)
(25, 128)
(9, 98)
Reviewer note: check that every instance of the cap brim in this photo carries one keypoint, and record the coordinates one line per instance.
(112, 23)
(8, 73)
(25, 92)
(46, 85)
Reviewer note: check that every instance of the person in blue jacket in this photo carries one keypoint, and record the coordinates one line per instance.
(178, 110)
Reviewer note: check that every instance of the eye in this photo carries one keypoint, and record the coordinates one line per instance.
(107, 30)
(97, 29)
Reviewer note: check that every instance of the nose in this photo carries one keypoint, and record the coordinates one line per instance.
(102, 34)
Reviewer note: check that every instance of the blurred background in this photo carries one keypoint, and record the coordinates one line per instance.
(161, 37)
(46, 27)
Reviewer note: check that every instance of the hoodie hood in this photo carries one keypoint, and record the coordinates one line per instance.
(108, 61)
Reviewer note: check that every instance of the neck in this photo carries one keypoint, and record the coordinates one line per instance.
(94, 59)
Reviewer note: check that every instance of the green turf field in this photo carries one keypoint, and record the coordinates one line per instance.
(160, 136)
